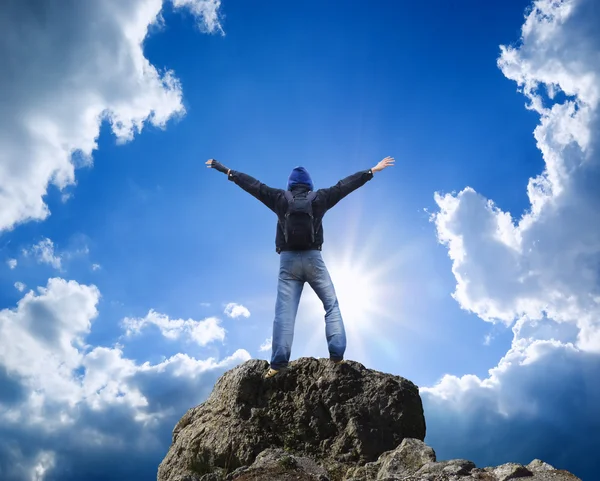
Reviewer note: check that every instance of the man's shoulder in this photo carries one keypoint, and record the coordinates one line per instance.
(320, 195)
(319, 201)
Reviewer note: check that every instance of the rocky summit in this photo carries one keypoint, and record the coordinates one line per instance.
(318, 421)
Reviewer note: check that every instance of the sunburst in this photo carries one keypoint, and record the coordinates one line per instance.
(368, 296)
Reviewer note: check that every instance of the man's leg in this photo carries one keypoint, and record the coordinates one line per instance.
(321, 283)
(289, 290)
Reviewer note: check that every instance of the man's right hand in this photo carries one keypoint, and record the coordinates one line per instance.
(213, 164)
(387, 162)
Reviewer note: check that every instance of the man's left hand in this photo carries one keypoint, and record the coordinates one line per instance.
(213, 164)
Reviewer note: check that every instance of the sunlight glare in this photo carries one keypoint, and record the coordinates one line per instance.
(368, 298)
(356, 291)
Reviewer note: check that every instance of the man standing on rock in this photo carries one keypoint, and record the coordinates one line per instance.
(299, 238)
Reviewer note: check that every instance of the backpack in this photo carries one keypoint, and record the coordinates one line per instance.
(298, 224)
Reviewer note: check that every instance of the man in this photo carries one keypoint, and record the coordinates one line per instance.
(299, 238)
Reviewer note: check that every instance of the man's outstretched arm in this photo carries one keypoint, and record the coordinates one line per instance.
(267, 195)
(349, 184)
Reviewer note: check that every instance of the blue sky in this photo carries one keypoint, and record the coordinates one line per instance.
(132, 276)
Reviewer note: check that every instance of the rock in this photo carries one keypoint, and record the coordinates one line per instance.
(277, 465)
(454, 467)
(539, 465)
(339, 415)
(459, 467)
(210, 477)
(441, 471)
(236, 473)
(405, 460)
(362, 473)
(553, 475)
(400, 465)
(187, 478)
(511, 471)
(318, 422)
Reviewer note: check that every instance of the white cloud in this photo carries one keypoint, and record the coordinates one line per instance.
(538, 273)
(183, 365)
(202, 332)
(66, 407)
(540, 391)
(544, 264)
(266, 346)
(499, 392)
(12, 263)
(20, 286)
(96, 267)
(74, 405)
(84, 66)
(43, 336)
(45, 462)
(43, 251)
(207, 12)
(234, 310)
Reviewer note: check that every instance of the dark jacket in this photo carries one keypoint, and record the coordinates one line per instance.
(275, 200)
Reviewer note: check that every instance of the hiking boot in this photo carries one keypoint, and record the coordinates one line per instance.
(341, 361)
(272, 372)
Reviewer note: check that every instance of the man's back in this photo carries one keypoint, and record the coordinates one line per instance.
(324, 200)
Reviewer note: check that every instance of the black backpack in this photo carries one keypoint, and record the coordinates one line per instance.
(298, 224)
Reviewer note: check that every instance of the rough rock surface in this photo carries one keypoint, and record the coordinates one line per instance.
(413, 460)
(276, 463)
(339, 415)
(319, 422)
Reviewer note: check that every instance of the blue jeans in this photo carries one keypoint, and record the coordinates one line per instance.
(296, 268)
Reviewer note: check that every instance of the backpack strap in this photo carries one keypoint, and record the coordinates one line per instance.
(290, 198)
(288, 195)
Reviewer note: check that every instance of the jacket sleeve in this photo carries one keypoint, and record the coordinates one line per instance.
(267, 195)
(333, 195)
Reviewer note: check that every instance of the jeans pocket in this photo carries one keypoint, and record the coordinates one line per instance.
(315, 268)
(288, 268)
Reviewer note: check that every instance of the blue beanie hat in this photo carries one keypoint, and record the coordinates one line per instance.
(300, 176)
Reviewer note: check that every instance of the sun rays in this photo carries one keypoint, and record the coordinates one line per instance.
(369, 295)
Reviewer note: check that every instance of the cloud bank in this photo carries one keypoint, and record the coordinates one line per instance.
(67, 407)
(202, 332)
(67, 67)
(537, 273)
